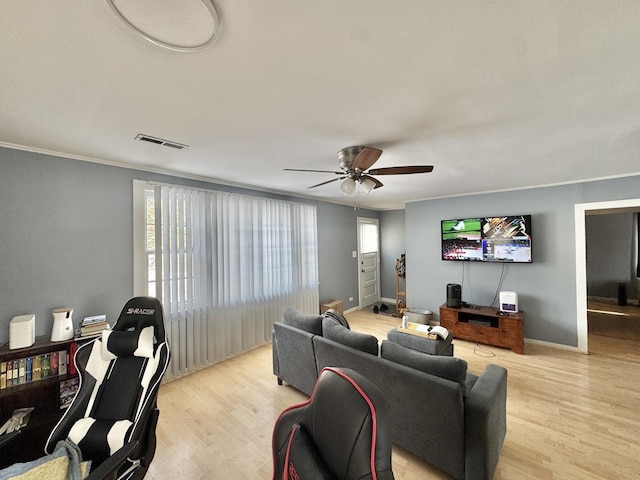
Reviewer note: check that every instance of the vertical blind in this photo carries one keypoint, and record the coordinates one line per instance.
(226, 265)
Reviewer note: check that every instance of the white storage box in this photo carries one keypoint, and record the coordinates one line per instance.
(22, 331)
(417, 315)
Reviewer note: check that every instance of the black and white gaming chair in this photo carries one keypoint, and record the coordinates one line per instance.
(343, 432)
(115, 407)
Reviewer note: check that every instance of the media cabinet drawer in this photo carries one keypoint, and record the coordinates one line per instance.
(448, 317)
(478, 333)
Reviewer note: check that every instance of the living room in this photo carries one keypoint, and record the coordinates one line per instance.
(67, 258)
(67, 239)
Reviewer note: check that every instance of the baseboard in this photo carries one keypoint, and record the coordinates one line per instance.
(611, 301)
(392, 301)
(557, 346)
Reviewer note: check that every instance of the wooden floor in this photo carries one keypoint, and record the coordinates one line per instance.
(612, 320)
(570, 415)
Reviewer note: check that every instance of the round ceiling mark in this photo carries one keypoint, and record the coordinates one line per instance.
(178, 25)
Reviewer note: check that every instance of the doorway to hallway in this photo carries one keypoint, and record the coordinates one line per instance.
(581, 211)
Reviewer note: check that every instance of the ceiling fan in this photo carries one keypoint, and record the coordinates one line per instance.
(355, 163)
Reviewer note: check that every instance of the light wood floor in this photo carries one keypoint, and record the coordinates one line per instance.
(612, 320)
(570, 415)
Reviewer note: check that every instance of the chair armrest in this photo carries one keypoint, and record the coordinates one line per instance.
(485, 416)
(108, 470)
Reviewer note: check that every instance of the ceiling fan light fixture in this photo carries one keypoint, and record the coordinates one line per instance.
(177, 25)
(366, 185)
(348, 186)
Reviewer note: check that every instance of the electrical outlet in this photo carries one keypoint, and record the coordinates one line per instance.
(351, 299)
(354, 254)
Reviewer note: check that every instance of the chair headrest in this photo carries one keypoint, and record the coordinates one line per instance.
(122, 343)
(346, 411)
(141, 312)
(336, 384)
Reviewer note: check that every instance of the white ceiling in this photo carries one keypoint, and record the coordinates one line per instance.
(494, 94)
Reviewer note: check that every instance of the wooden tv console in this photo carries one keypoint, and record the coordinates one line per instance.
(484, 325)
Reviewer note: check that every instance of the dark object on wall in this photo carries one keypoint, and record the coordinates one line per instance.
(487, 239)
(622, 295)
(454, 295)
(637, 215)
(401, 267)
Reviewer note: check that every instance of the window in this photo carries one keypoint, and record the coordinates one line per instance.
(223, 266)
(368, 237)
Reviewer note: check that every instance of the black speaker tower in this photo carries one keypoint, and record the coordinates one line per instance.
(454, 295)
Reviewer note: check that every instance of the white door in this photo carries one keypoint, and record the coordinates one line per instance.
(368, 261)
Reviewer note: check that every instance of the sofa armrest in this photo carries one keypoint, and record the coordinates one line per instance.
(485, 423)
(274, 356)
(294, 357)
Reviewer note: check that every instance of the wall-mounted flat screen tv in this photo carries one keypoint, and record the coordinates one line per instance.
(487, 239)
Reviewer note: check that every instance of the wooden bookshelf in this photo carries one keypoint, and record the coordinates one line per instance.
(41, 394)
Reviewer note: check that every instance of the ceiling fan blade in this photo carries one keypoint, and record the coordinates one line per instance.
(366, 158)
(374, 180)
(319, 171)
(328, 181)
(401, 170)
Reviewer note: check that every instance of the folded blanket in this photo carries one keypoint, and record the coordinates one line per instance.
(65, 463)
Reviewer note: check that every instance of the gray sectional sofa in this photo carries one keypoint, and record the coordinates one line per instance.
(451, 418)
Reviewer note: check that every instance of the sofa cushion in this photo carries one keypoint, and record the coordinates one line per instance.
(471, 381)
(333, 330)
(337, 316)
(304, 321)
(450, 368)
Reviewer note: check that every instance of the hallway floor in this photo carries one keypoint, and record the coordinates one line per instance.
(611, 320)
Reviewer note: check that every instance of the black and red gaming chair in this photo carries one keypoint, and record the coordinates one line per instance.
(342, 432)
(115, 408)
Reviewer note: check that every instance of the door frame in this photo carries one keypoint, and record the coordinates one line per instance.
(361, 220)
(581, 210)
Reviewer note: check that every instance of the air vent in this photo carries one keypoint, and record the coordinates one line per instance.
(160, 141)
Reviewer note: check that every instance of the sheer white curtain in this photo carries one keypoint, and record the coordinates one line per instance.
(226, 265)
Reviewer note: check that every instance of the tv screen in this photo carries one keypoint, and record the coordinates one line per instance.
(488, 239)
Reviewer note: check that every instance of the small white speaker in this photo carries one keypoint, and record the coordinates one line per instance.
(509, 302)
(22, 331)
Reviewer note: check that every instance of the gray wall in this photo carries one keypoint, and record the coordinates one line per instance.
(66, 238)
(611, 254)
(546, 288)
(392, 245)
(337, 239)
